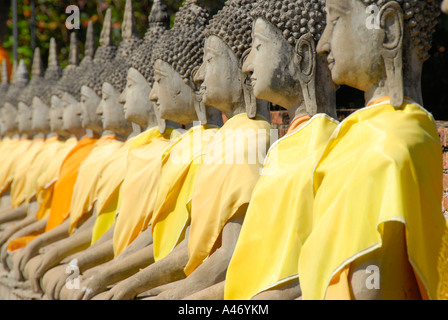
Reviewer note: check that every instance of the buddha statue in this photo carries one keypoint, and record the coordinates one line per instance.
(47, 180)
(388, 160)
(286, 70)
(142, 114)
(132, 229)
(186, 258)
(56, 207)
(19, 80)
(116, 129)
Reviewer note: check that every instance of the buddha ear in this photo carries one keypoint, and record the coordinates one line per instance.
(306, 52)
(161, 123)
(248, 92)
(199, 106)
(391, 22)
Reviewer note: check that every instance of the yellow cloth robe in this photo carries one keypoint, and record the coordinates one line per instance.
(139, 187)
(108, 190)
(381, 164)
(39, 165)
(63, 189)
(16, 150)
(46, 181)
(180, 164)
(90, 171)
(225, 182)
(279, 216)
(18, 183)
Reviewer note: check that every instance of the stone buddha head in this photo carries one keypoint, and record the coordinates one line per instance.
(137, 107)
(42, 102)
(110, 108)
(64, 99)
(227, 40)
(99, 68)
(379, 46)
(55, 116)
(35, 88)
(177, 55)
(283, 64)
(19, 80)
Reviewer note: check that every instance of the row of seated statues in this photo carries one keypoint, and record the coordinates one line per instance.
(150, 170)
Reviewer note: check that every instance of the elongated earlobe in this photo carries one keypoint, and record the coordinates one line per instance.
(391, 21)
(248, 92)
(306, 52)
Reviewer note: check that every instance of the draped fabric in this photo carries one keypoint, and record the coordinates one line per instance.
(63, 189)
(108, 189)
(279, 217)
(381, 164)
(40, 165)
(180, 164)
(46, 181)
(12, 153)
(225, 181)
(90, 171)
(61, 196)
(19, 177)
(139, 188)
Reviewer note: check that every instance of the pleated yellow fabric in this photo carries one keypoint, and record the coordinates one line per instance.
(112, 175)
(90, 171)
(180, 164)
(46, 181)
(63, 189)
(18, 182)
(40, 164)
(139, 187)
(225, 181)
(280, 214)
(381, 164)
(106, 219)
(108, 190)
(15, 151)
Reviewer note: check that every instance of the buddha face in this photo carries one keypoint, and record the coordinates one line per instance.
(40, 114)
(225, 91)
(136, 104)
(55, 115)
(174, 98)
(273, 66)
(352, 50)
(71, 114)
(8, 117)
(111, 111)
(24, 118)
(89, 103)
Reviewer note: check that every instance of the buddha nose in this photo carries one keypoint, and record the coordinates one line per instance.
(199, 75)
(122, 97)
(153, 94)
(247, 64)
(323, 46)
(99, 110)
